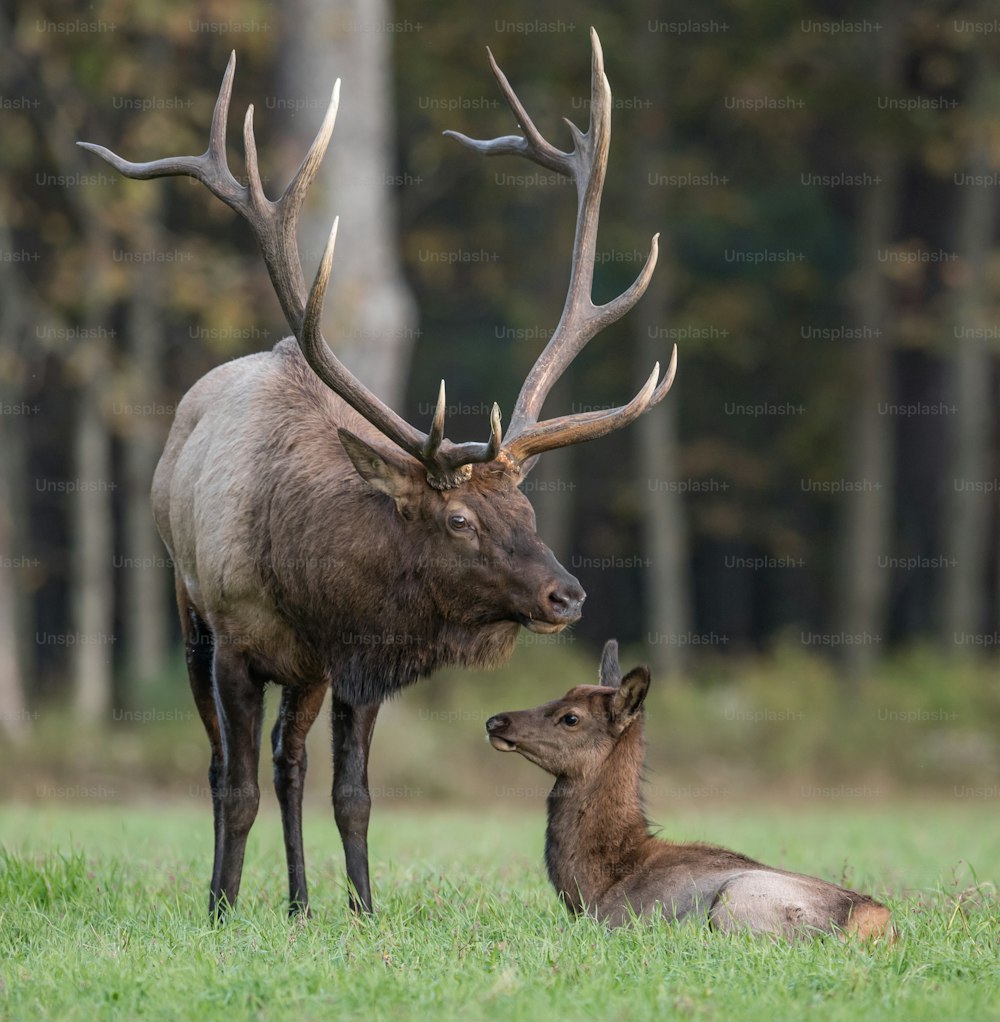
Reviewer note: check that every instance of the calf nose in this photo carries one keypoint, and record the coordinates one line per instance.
(498, 723)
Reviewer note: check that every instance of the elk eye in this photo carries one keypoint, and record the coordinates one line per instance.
(458, 522)
(570, 720)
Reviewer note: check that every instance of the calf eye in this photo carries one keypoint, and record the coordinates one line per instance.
(570, 720)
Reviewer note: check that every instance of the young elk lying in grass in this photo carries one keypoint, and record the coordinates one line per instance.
(598, 849)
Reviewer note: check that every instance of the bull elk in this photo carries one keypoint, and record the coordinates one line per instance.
(600, 855)
(321, 541)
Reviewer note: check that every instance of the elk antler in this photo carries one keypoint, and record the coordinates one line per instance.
(274, 226)
(581, 319)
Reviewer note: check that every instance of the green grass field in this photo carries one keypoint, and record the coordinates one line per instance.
(103, 916)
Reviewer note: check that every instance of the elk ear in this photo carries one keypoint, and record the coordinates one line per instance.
(525, 468)
(611, 672)
(381, 471)
(628, 698)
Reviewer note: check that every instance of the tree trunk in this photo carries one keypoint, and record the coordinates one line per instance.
(967, 521)
(864, 585)
(667, 597)
(145, 574)
(14, 719)
(92, 588)
(372, 314)
(91, 641)
(550, 487)
(664, 526)
(15, 652)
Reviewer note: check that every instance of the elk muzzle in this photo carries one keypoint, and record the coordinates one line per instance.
(495, 728)
(559, 604)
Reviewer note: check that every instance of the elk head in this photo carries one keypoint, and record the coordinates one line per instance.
(469, 490)
(573, 736)
(481, 531)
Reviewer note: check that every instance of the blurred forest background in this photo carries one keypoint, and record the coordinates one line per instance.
(804, 539)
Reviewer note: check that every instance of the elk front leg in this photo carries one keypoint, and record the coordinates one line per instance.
(298, 710)
(238, 702)
(352, 737)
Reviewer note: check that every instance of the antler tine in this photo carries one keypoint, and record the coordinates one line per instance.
(255, 189)
(211, 168)
(667, 382)
(583, 426)
(532, 144)
(295, 193)
(496, 434)
(436, 434)
(220, 112)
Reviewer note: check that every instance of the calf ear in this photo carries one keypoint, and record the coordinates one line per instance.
(611, 673)
(628, 697)
(380, 470)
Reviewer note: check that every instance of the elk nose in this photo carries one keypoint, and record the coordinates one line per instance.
(566, 599)
(498, 723)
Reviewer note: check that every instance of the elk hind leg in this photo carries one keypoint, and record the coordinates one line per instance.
(298, 710)
(199, 650)
(764, 902)
(239, 704)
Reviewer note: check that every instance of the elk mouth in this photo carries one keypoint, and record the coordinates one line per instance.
(543, 627)
(502, 744)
